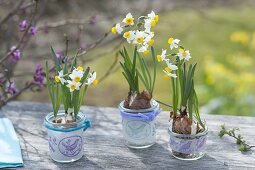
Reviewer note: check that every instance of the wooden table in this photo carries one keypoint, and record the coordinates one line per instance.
(104, 148)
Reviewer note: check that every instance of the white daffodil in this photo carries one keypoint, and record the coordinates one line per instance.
(119, 29)
(153, 16)
(129, 20)
(72, 85)
(184, 54)
(92, 79)
(76, 75)
(60, 77)
(143, 48)
(173, 43)
(169, 75)
(147, 25)
(129, 35)
(139, 37)
(170, 66)
(162, 57)
(148, 39)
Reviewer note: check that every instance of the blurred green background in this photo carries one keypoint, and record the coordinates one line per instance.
(221, 40)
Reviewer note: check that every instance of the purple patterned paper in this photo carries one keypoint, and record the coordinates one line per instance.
(70, 146)
(187, 146)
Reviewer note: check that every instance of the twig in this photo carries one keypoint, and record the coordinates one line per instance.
(17, 94)
(11, 13)
(111, 67)
(22, 38)
(239, 139)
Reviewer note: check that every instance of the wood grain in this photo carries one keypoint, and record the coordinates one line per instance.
(104, 148)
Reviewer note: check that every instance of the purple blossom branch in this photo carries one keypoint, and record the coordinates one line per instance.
(23, 36)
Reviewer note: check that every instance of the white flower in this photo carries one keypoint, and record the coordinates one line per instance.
(119, 29)
(169, 75)
(72, 85)
(76, 75)
(148, 37)
(60, 77)
(129, 20)
(184, 54)
(129, 35)
(147, 25)
(173, 43)
(143, 48)
(162, 57)
(171, 66)
(153, 16)
(139, 37)
(92, 79)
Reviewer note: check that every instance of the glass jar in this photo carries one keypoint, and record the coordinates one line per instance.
(139, 130)
(66, 140)
(188, 147)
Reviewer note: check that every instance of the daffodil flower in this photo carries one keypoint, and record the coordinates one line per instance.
(173, 43)
(184, 54)
(92, 79)
(139, 37)
(72, 85)
(153, 16)
(162, 57)
(60, 77)
(129, 35)
(143, 48)
(76, 75)
(171, 66)
(148, 39)
(129, 20)
(168, 75)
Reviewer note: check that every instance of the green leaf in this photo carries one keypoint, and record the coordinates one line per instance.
(57, 65)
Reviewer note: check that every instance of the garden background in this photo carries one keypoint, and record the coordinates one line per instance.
(220, 35)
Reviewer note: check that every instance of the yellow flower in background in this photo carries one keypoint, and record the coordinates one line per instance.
(240, 36)
(129, 20)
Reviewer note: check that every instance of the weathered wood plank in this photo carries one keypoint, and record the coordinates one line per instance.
(104, 148)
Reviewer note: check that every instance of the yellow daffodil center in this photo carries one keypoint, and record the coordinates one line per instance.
(156, 18)
(146, 52)
(140, 39)
(151, 42)
(153, 23)
(57, 79)
(72, 86)
(77, 78)
(95, 82)
(158, 58)
(80, 68)
(129, 21)
(184, 54)
(167, 69)
(170, 40)
(127, 34)
(114, 30)
(167, 77)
